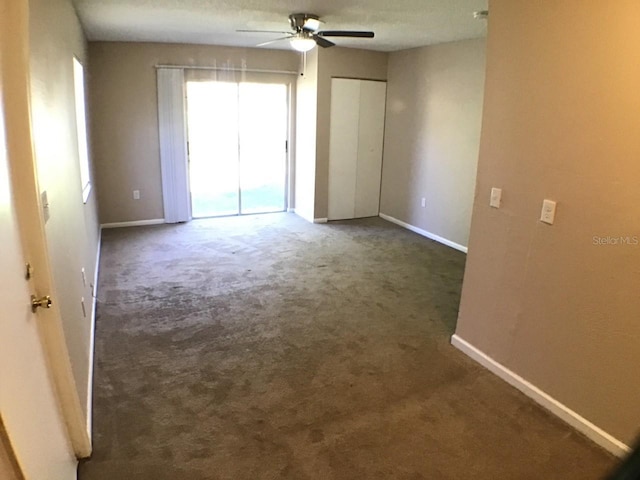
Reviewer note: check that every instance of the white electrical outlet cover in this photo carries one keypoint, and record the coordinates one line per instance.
(548, 214)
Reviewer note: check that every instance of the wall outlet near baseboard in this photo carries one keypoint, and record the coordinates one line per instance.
(423, 202)
(136, 194)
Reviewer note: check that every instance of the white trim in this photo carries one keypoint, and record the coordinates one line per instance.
(424, 233)
(320, 220)
(299, 213)
(291, 210)
(136, 223)
(86, 191)
(227, 69)
(584, 426)
(94, 296)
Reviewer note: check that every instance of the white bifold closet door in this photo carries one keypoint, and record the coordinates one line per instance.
(355, 151)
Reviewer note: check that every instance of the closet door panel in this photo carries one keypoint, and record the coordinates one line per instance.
(343, 149)
(370, 142)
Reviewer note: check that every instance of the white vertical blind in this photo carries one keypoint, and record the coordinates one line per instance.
(173, 145)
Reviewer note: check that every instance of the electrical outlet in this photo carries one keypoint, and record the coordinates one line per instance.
(136, 194)
(423, 202)
(548, 213)
(496, 197)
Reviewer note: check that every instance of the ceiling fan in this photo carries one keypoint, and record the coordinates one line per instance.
(305, 33)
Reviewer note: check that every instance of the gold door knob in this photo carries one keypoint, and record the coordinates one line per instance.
(44, 302)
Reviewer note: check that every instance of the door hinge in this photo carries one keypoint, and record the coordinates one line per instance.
(28, 271)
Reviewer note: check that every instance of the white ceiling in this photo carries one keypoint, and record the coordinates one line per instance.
(398, 24)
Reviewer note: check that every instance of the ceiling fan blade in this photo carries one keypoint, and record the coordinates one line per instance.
(273, 41)
(260, 31)
(345, 33)
(323, 42)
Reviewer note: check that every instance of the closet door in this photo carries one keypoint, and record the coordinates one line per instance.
(370, 141)
(355, 151)
(343, 147)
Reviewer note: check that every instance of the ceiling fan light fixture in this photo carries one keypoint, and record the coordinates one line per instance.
(306, 33)
(312, 24)
(302, 42)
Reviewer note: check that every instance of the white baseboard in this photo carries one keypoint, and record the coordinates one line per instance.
(291, 210)
(94, 296)
(424, 233)
(136, 223)
(320, 220)
(300, 213)
(591, 431)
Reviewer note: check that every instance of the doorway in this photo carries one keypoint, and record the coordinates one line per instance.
(237, 144)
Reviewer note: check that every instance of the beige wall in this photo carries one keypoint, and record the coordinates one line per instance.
(432, 136)
(124, 116)
(346, 63)
(72, 230)
(125, 124)
(561, 117)
(305, 139)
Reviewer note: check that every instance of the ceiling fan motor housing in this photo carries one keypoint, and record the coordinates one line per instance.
(299, 21)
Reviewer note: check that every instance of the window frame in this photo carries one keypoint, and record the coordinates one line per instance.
(81, 128)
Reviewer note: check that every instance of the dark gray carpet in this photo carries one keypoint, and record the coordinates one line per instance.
(266, 347)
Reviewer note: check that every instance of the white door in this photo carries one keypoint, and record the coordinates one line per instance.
(28, 406)
(370, 141)
(9, 467)
(39, 406)
(355, 148)
(343, 148)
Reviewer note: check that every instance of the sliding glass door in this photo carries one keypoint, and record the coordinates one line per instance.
(212, 122)
(237, 133)
(263, 147)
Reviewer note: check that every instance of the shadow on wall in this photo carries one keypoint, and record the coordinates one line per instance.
(629, 469)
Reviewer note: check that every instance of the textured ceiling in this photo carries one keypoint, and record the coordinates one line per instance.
(398, 24)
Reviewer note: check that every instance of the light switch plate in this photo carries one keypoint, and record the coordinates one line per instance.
(548, 214)
(496, 197)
